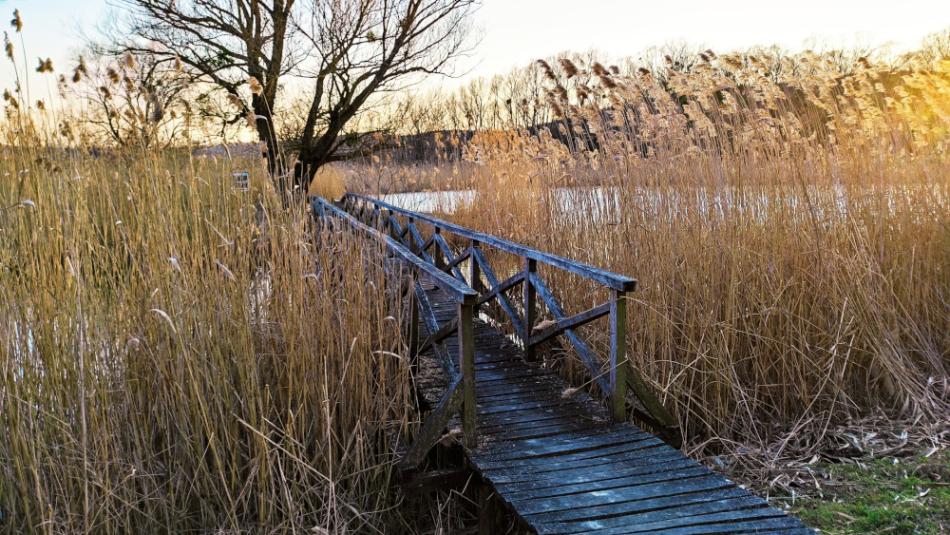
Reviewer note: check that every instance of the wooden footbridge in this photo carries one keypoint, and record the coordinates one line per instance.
(558, 459)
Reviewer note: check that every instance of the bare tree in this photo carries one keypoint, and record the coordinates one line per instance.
(935, 47)
(132, 100)
(344, 51)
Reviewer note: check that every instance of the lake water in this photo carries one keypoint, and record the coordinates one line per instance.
(602, 204)
(430, 201)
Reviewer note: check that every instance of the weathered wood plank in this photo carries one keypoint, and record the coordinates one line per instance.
(432, 427)
(454, 262)
(518, 378)
(650, 400)
(618, 355)
(663, 460)
(631, 455)
(611, 280)
(395, 229)
(532, 406)
(498, 364)
(605, 511)
(432, 326)
(457, 290)
(444, 332)
(562, 408)
(513, 432)
(571, 322)
(539, 431)
(580, 346)
(520, 395)
(535, 429)
(734, 512)
(657, 515)
(549, 382)
(633, 493)
(602, 485)
(521, 464)
(493, 376)
(495, 424)
(529, 306)
(466, 351)
(503, 300)
(498, 289)
(449, 255)
(555, 448)
(763, 523)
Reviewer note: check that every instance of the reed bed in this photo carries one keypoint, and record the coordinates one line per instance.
(788, 224)
(180, 356)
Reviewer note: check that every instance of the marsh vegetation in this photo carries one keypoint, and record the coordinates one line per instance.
(179, 355)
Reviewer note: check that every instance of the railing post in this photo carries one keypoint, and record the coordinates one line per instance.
(530, 303)
(318, 208)
(410, 221)
(474, 270)
(390, 216)
(438, 255)
(466, 341)
(618, 354)
(412, 338)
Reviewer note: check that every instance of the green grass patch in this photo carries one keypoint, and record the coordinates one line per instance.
(910, 495)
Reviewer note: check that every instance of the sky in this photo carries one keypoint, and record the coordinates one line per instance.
(517, 32)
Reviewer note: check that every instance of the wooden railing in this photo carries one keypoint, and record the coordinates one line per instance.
(460, 394)
(425, 236)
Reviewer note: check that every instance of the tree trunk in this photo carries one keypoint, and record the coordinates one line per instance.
(276, 163)
(313, 156)
(305, 169)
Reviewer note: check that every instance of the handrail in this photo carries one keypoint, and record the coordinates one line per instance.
(436, 251)
(459, 291)
(460, 395)
(607, 278)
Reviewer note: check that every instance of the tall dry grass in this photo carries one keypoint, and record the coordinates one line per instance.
(789, 225)
(179, 356)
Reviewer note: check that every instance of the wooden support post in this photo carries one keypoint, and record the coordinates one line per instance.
(438, 255)
(530, 306)
(618, 354)
(432, 427)
(466, 342)
(410, 221)
(474, 272)
(412, 338)
(488, 510)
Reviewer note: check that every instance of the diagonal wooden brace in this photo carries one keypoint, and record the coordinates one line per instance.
(432, 426)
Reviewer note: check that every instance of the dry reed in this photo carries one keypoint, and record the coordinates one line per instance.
(178, 355)
(787, 222)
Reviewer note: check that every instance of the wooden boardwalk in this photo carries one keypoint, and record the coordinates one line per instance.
(560, 463)
(558, 459)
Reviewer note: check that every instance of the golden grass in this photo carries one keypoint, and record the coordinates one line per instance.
(177, 355)
(792, 256)
(329, 183)
(761, 308)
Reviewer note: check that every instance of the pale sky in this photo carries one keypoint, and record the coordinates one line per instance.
(516, 32)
